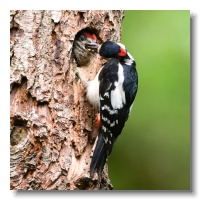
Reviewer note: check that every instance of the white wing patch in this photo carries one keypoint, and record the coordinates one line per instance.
(118, 95)
(111, 111)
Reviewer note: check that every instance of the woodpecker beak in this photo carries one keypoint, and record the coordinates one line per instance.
(92, 46)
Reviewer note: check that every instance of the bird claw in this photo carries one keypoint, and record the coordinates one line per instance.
(83, 81)
(77, 74)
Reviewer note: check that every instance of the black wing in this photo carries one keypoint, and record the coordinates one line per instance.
(113, 116)
(114, 103)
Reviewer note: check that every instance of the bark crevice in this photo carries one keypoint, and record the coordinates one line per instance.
(51, 120)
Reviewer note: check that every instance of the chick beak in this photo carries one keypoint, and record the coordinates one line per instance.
(92, 46)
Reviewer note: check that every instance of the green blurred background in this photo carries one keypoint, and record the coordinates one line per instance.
(153, 151)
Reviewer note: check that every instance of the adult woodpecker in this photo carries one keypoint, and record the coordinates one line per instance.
(113, 91)
(81, 54)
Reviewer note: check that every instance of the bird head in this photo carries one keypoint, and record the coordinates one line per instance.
(87, 40)
(109, 49)
(81, 51)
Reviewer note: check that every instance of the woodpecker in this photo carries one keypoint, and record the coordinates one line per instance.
(81, 54)
(113, 91)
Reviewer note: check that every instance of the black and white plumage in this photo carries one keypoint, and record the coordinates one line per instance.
(113, 91)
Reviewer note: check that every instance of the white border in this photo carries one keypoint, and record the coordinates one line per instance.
(102, 4)
(191, 5)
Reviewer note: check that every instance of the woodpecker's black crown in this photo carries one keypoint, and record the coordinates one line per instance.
(110, 49)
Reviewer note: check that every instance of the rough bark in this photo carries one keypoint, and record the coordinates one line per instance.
(51, 120)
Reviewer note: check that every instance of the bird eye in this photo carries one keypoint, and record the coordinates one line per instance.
(82, 37)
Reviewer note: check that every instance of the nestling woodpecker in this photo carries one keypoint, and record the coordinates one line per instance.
(113, 91)
(81, 54)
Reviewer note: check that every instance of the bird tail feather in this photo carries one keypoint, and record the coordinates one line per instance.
(99, 157)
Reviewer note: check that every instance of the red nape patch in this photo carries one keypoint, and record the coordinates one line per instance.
(97, 120)
(122, 52)
(92, 36)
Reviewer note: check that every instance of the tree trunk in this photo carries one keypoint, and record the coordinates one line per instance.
(51, 120)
